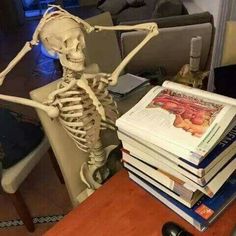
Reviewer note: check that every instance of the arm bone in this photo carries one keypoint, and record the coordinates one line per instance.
(51, 111)
(152, 31)
(18, 57)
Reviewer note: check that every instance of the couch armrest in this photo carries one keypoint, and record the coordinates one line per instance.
(173, 21)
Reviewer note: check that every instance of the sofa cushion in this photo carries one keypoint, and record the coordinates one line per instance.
(172, 21)
(113, 6)
(165, 8)
(133, 13)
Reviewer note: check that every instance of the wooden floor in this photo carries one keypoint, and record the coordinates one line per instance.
(42, 191)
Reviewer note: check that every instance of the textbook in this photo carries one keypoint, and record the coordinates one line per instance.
(217, 158)
(159, 161)
(166, 165)
(166, 179)
(185, 121)
(204, 212)
(210, 189)
(187, 202)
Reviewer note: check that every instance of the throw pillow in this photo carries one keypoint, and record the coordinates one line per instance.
(17, 137)
(165, 8)
(135, 3)
(113, 6)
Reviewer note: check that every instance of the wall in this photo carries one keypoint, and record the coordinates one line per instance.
(212, 6)
(233, 11)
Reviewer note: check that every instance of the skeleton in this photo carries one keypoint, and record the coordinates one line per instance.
(81, 101)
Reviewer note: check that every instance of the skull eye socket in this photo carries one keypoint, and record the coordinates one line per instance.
(54, 44)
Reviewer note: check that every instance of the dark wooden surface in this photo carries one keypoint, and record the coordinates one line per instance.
(120, 207)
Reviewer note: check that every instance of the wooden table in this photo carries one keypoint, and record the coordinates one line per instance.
(120, 207)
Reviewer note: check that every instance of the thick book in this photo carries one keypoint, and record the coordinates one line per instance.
(204, 212)
(187, 202)
(210, 189)
(169, 166)
(217, 158)
(158, 160)
(172, 182)
(185, 121)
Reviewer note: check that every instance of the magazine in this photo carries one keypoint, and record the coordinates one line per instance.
(204, 212)
(216, 159)
(185, 121)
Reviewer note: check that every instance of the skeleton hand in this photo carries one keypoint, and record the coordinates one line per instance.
(103, 79)
(153, 28)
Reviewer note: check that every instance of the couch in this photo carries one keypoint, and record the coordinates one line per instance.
(170, 49)
(129, 10)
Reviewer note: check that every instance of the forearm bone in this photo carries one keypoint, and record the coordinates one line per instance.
(152, 30)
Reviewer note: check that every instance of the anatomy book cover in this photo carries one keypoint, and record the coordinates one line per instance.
(190, 114)
(174, 116)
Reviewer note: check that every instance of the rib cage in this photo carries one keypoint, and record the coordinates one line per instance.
(78, 115)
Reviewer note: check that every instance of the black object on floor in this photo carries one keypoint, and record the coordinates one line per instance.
(172, 229)
(225, 80)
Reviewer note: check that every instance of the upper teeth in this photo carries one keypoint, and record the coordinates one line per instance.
(74, 60)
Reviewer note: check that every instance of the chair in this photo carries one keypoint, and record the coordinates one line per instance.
(13, 177)
(68, 156)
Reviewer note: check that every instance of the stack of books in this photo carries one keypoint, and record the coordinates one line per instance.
(179, 143)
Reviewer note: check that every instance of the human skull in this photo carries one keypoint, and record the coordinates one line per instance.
(65, 37)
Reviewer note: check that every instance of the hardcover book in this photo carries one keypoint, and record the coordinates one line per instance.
(185, 121)
(210, 189)
(187, 202)
(164, 163)
(205, 211)
(217, 158)
(169, 181)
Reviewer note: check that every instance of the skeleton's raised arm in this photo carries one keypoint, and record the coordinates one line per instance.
(51, 111)
(152, 30)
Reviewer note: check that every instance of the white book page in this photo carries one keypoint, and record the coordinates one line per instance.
(199, 92)
(164, 114)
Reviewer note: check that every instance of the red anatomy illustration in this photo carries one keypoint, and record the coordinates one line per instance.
(191, 116)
